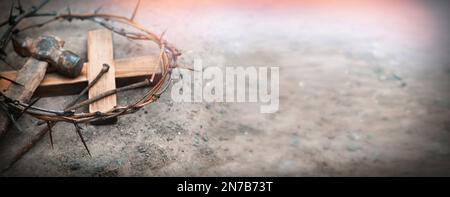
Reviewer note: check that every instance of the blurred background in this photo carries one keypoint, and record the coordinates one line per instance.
(364, 91)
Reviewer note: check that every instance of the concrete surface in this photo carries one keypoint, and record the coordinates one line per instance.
(364, 91)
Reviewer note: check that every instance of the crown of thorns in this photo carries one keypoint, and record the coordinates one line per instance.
(166, 60)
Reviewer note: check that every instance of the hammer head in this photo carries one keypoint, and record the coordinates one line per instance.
(50, 49)
(69, 64)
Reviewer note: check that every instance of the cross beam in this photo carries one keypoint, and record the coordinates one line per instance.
(128, 70)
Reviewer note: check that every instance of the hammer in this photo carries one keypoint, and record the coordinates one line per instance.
(50, 49)
(43, 51)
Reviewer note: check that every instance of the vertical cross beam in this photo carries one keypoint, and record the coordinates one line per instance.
(100, 51)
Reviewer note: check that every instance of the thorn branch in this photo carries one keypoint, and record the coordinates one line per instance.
(78, 130)
(135, 10)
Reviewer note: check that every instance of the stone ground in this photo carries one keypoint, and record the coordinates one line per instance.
(364, 91)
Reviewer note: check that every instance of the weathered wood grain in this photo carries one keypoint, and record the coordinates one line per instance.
(30, 76)
(128, 70)
(100, 51)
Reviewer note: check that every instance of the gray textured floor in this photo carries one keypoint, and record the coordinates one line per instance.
(364, 91)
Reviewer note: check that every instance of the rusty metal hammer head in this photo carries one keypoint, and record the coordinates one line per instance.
(50, 49)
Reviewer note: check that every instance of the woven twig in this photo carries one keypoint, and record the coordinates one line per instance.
(166, 60)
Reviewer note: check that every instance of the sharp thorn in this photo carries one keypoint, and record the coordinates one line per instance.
(98, 10)
(15, 123)
(10, 18)
(11, 117)
(162, 35)
(69, 13)
(135, 10)
(28, 107)
(10, 80)
(20, 8)
(49, 126)
(78, 130)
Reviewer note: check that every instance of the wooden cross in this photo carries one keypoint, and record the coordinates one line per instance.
(100, 50)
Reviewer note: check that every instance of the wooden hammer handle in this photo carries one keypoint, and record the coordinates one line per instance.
(30, 76)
